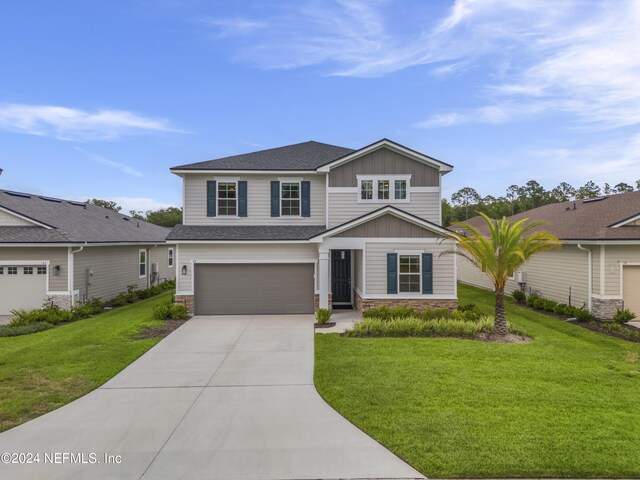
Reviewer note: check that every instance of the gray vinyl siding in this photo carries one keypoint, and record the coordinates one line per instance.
(596, 267)
(344, 207)
(9, 220)
(258, 201)
(114, 268)
(358, 270)
(615, 256)
(387, 226)
(55, 255)
(238, 252)
(384, 161)
(160, 256)
(550, 274)
(443, 266)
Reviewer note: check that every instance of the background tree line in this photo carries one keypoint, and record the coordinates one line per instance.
(165, 217)
(467, 202)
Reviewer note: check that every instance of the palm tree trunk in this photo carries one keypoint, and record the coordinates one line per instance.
(500, 322)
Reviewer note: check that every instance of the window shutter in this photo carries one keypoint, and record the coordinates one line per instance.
(275, 198)
(392, 273)
(211, 198)
(242, 198)
(305, 188)
(427, 273)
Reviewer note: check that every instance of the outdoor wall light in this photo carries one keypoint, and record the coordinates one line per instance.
(184, 269)
(57, 270)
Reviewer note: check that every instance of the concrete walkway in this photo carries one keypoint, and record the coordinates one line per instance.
(220, 398)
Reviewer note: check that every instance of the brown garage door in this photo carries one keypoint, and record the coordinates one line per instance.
(631, 288)
(253, 289)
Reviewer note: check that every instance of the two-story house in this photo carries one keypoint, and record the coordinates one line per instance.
(310, 225)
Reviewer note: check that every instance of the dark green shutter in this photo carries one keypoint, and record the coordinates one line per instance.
(305, 187)
(211, 198)
(427, 273)
(392, 273)
(242, 198)
(275, 198)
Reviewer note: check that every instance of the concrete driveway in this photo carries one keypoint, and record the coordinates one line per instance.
(220, 398)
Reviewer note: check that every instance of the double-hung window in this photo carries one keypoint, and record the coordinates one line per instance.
(409, 273)
(383, 188)
(227, 199)
(170, 258)
(290, 195)
(142, 263)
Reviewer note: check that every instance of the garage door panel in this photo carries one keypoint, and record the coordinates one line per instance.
(20, 290)
(253, 289)
(631, 288)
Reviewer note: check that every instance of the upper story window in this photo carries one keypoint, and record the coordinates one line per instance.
(290, 194)
(383, 188)
(227, 199)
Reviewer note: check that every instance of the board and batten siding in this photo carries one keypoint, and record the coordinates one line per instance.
(443, 266)
(227, 253)
(615, 256)
(55, 255)
(114, 268)
(384, 161)
(258, 201)
(9, 220)
(550, 274)
(344, 206)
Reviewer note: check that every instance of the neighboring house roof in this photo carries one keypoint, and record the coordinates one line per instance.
(591, 219)
(244, 232)
(66, 221)
(301, 156)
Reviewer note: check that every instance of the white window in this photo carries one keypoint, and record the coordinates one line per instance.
(383, 188)
(290, 199)
(28, 270)
(409, 274)
(12, 270)
(142, 259)
(170, 257)
(1, 270)
(41, 270)
(227, 199)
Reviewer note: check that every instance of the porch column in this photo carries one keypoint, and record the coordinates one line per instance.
(323, 272)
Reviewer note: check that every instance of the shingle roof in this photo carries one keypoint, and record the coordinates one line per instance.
(249, 232)
(585, 219)
(301, 156)
(73, 222)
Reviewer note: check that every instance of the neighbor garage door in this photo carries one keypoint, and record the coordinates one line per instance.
(253, 289)
(631, 288)
(22, 286)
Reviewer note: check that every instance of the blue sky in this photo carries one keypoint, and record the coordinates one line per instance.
(99, 99)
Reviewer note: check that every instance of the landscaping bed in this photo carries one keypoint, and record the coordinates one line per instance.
(565, 405)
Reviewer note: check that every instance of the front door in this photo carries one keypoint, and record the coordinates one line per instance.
(341, 276)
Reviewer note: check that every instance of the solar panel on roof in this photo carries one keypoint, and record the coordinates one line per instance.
(79, 204)
(50, 199)
(19, 194)
(591, 200)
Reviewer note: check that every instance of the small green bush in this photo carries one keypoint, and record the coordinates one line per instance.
(623, 316)
(436, 313)
(583, 315)
(620, 329)
(465, 307)
(386, 313)
(14, 331)
(519, 296)
(532, 299)
(323, 315)
(170, 311)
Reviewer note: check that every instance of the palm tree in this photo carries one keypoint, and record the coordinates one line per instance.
(500, 253)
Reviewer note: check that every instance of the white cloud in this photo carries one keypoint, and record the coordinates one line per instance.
(110, 163)
(65, 123)
(234, 26)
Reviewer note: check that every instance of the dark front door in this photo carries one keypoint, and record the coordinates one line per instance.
(341, 276)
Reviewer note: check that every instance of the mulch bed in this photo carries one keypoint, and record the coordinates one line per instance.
(160, 331)
(596, 326)
(325, 325)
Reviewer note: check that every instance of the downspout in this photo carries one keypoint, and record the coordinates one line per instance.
(590, 270)
(71, 271)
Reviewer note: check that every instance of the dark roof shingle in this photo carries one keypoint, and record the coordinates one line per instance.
(244, 232)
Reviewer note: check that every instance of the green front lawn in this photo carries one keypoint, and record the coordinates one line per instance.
(565, 405)
(43, 371)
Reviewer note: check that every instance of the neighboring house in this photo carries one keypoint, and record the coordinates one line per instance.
(70, 251)
(310, 225)
(598, 265)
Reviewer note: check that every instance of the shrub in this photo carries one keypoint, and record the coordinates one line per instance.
(387, 313)
(169, 310)
(532, 299)
(620, 329)
(436, 313)
(323, 315)
(583, 315)
(519, 296)
(465, 307)
(14, 331)
(623, 316)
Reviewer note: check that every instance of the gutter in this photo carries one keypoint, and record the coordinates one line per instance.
(590, 270)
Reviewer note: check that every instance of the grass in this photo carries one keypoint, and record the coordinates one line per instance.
(565, 405)
(45, 370)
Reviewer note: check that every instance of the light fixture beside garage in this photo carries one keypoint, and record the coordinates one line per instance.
(57, 269)
(184, 269)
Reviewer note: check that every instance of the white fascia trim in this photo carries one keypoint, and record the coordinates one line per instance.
(251, 261)
(391, 146)
(410, 190)
(423, 296)
(625, 222)
(25, 262)
(601, 242)
(85, 244)
(26, 219)
(424, 189)
(237, 242)
(342, 190)
(603, 263)
(246, 172)
(379, 213)
(326, 200)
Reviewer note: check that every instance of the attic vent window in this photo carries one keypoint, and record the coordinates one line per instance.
(19, 194)
(591, 200)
